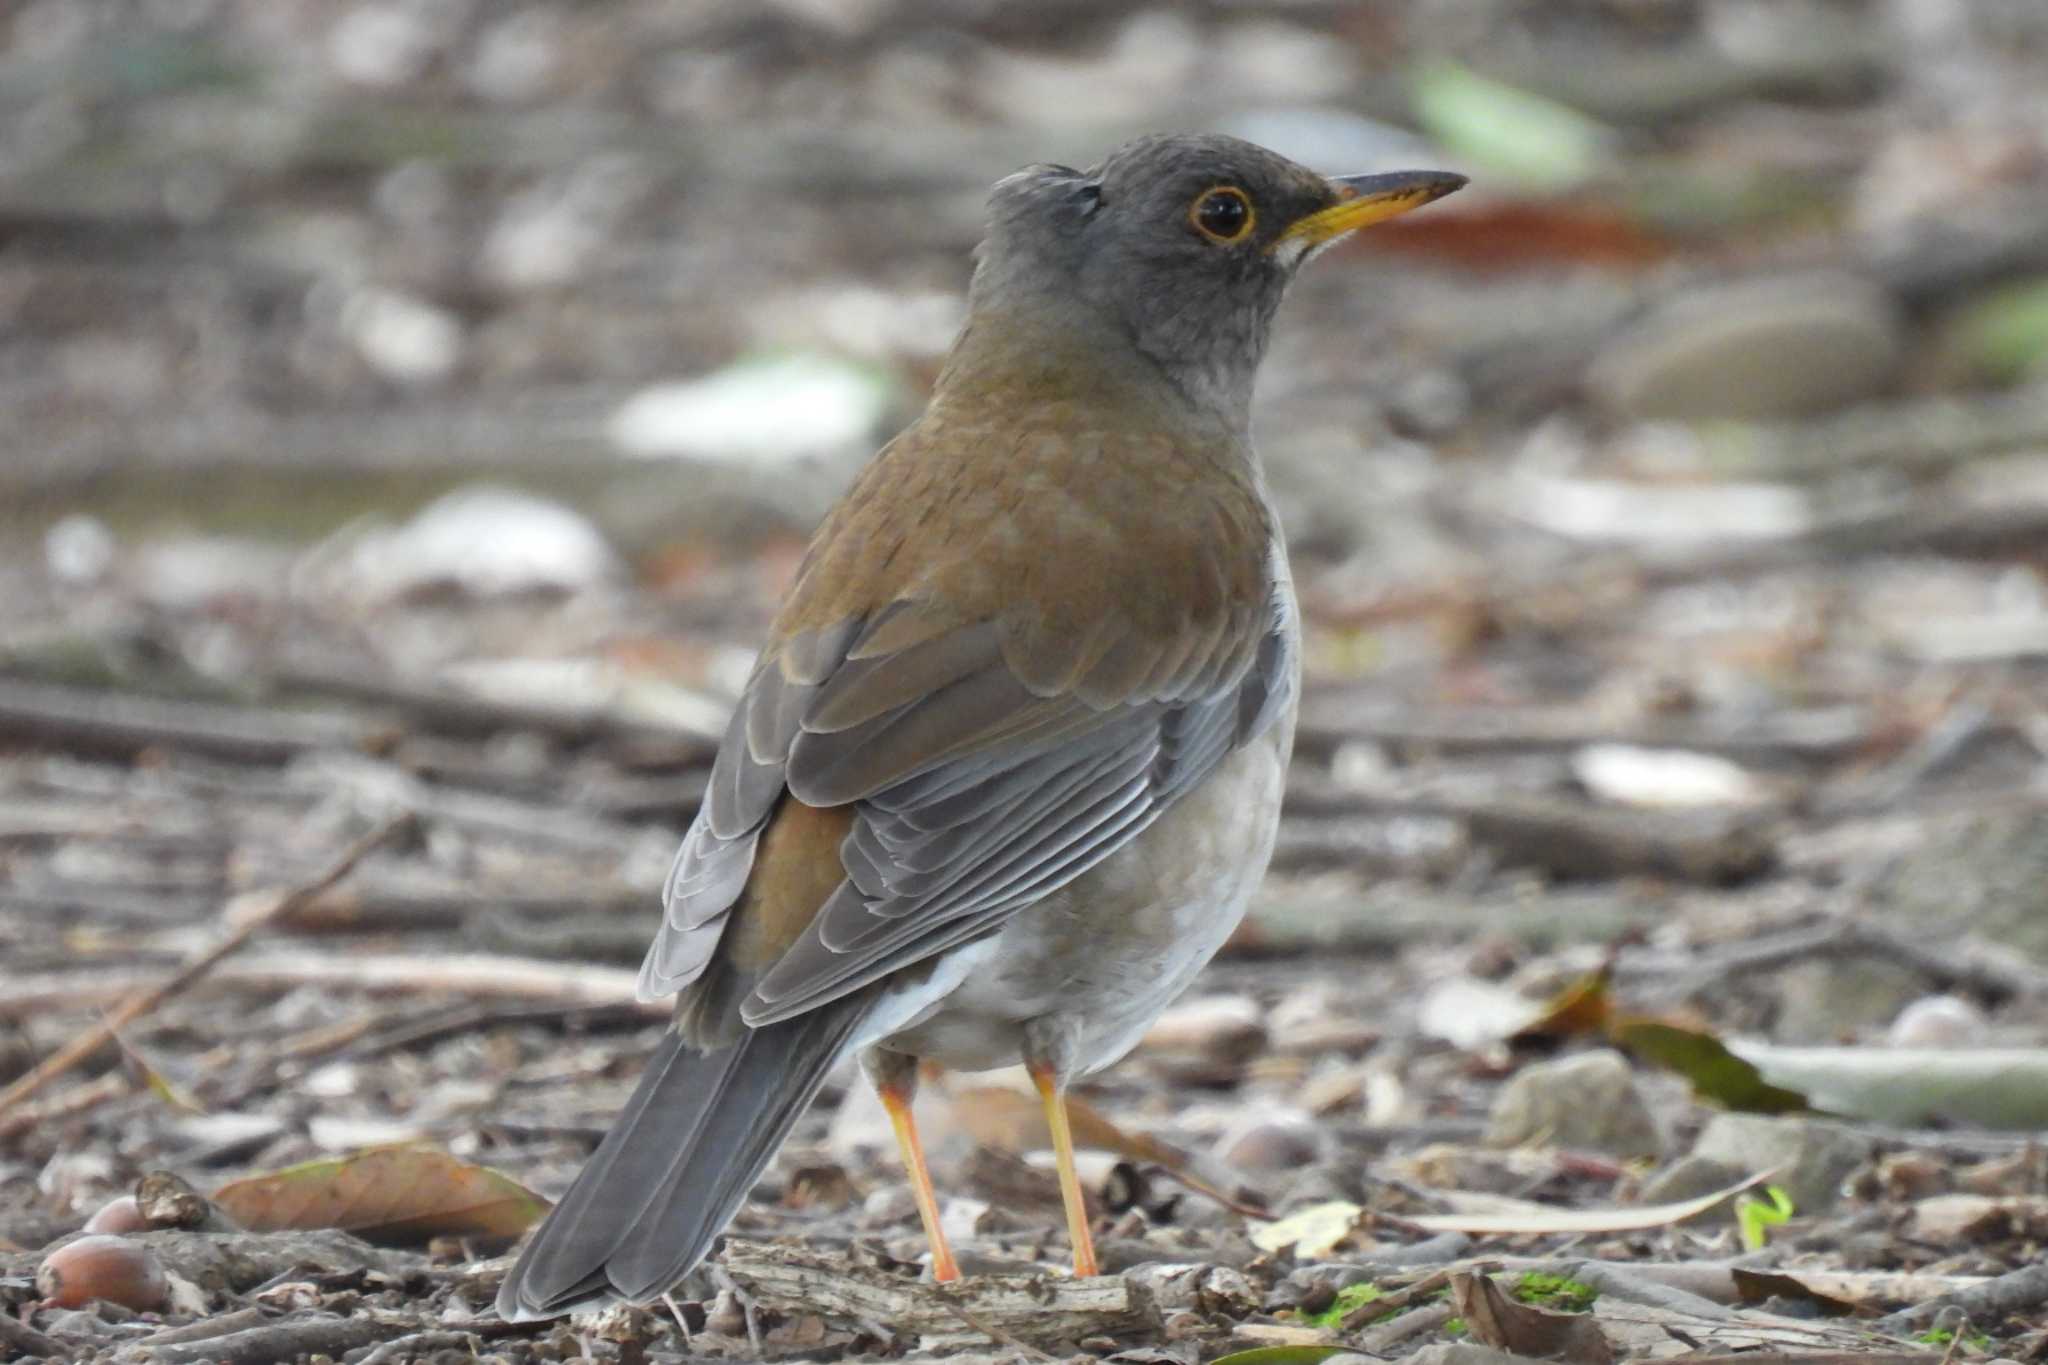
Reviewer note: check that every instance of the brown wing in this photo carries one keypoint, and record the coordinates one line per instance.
(985, 733)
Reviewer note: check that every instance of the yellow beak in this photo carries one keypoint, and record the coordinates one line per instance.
(1367, 199)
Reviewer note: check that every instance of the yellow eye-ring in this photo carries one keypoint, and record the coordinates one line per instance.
(1223, 214)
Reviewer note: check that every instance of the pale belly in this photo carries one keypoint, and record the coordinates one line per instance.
(1108, 952)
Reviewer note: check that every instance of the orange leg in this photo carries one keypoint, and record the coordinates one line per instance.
(1047, 1081)
(896, 1094)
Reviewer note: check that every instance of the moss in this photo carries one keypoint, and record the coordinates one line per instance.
(1348, 1298)
(1559, 1293)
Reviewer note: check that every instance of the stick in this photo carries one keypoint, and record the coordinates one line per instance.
(82, 1046)
(480, 976)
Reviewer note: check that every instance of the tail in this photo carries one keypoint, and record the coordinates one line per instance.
(683, 1153)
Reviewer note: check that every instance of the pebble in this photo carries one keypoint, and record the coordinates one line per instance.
(1589, 1102)
(1937, 1021)
(1753, 349)
(1209, 1025)
(404, 339)
(1812, 1158)
(1272, 1140)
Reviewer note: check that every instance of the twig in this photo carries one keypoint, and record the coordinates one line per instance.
(1824, 1357)
(2021, 1291)
(675, 1310)
(76, 1100)
(483, 976)
(1955, 1340)
(1965, 962)
(82, 1046)
(290, 1339)
(1334, 716)
(1388, 1335)
(1429, 1284)
(86, 719)
(19, 1336)
(989, 1330)
(1568, 837)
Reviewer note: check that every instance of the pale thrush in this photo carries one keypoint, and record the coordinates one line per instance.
(1009, 765)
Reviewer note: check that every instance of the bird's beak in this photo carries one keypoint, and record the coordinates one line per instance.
(1363, 200)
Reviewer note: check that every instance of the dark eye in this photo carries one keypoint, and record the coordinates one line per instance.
(1222, 215)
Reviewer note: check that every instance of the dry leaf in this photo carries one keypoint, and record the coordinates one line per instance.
(1582, 1220)
(398, 1196)
(1501, 1322)
(1759, 1286)
(1314, 1232)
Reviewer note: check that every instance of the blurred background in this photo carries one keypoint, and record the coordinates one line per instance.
(420, 405)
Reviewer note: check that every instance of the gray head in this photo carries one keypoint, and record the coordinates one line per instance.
(1176, 249)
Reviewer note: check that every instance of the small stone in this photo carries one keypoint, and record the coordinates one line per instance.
(404, 339)
(1812, 1158)
(1589, 1102)
(1282, 1140)
(1837, 998)
(888, 1204)
(1689, 1177)
(79, 549)
(1753, 349)
(1312, 1021)
(1211, 1025)
(515, 57)
(1937, 1021)
(380, 45)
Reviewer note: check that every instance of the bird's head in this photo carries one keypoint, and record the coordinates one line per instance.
(1175, 249)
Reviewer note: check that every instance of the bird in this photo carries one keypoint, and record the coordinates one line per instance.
(1009, 764)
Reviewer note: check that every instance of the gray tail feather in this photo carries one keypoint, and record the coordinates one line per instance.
(682, 1154)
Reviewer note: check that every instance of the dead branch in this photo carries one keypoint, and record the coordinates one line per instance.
(89, 720)
(480, 976)
(1571, 838)
(1032, 1308)
(2018, 1292)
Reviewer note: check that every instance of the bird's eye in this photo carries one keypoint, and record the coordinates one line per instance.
(1223, 215)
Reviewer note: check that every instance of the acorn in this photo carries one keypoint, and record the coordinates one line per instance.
(122, 1214)
(103, 1266)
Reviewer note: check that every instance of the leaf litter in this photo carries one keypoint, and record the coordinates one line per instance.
(1664, 610)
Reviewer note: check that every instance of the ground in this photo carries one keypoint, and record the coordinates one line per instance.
(415, 410)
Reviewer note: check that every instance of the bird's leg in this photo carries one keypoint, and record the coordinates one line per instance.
(894, 1077)
(1048, 1049)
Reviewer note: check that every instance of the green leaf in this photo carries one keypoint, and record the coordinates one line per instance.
(1508, 131)
(1716, 1073)
(1756, 1216)
(2006, 332)
(1280, 1355)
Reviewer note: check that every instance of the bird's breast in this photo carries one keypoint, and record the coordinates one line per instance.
(1115, 946)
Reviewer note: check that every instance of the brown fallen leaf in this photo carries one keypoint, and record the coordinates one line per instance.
(1759, 1286)
(1318, 1230)
(397, 1196)
(1497, 1320)
(1581, 1010)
